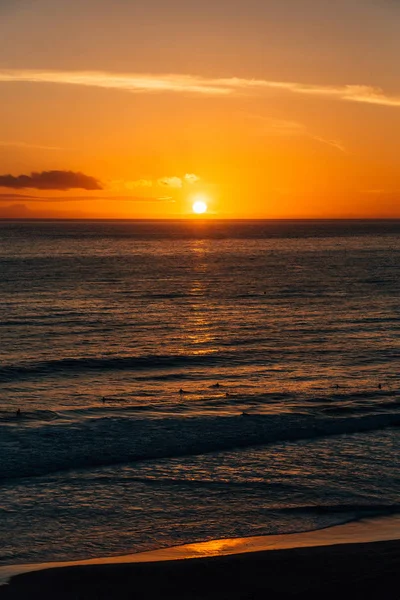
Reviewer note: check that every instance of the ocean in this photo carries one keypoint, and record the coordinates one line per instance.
(180, 381)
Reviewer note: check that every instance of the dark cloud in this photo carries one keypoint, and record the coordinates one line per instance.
(9, 196)
(57, 199)
(51, 180)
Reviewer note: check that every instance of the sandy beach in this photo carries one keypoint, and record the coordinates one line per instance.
(360, 559)
(356, 570)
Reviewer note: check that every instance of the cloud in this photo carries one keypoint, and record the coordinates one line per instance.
(51, 180)
(8, 196)
(138, 183)
(193, 84)
(128, 82)
(191, 178)
(281, 127)
(119, 185)
(333, 143)
(178, 182)
(172, 182)
(59, 199)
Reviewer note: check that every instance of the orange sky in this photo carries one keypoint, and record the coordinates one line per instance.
(268, 108)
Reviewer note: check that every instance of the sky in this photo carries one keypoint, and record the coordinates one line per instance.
(260, 108)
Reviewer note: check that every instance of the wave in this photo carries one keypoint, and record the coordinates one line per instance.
(351, 394)
(352, 403)
(364, 509)
(110, 440)
(34, 415)
(83, 364)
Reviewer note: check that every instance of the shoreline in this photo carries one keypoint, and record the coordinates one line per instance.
(363, 540)
(367, 571)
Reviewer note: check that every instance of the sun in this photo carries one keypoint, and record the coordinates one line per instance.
(199, 206)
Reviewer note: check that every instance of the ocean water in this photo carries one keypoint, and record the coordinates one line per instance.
(180, 381)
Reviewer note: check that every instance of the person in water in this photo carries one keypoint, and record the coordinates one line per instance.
(18, 413)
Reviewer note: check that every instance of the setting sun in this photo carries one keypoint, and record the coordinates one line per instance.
(199, 207)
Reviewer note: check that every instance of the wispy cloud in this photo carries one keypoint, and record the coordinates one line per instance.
(128, 82)
(285, 128)
(141, 183)
(280, 127)
(172, 181)
(333, 143)
(51, 180)
(9, 195)
(192, 84)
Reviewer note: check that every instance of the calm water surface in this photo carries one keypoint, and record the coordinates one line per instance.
(181, 381)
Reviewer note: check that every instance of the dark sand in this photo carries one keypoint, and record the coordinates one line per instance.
(357, 571)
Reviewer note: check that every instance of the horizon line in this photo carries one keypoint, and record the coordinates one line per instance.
(194, 219)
